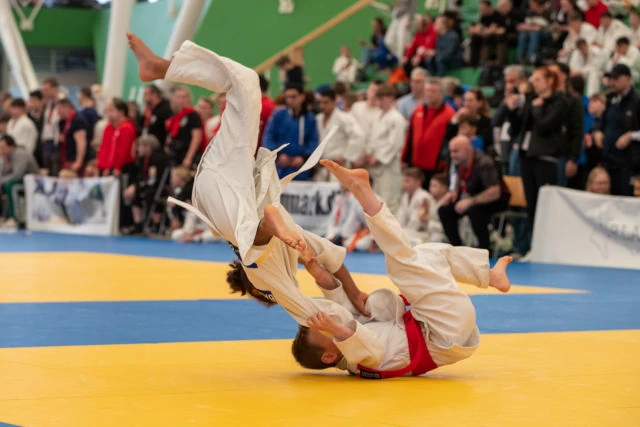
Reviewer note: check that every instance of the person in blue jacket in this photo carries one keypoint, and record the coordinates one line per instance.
(296, 126)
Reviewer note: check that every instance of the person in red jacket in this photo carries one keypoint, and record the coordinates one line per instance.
(118, 139)
(594, 10)
(426, 132)
(423, 42)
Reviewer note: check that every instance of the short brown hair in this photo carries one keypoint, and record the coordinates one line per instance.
(239, 282)
(468, 119)
(308, 355)
(65, 102)
(386, 89)
(51, 81)
(442, 178)
(599, 97)
(414, 173)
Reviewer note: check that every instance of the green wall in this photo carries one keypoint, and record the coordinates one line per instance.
(61, 27)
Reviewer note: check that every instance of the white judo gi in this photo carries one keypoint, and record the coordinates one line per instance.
(231, 189)
(426, 276)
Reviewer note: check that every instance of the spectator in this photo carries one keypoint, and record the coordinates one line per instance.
(468, 126)
(267, 108)
(116, 149)
(456, 99)
(586, 61)
(619, 125)
(598, 181)
(475, 105)
(448, 53)
(560, 26)
(542, 135)
(597, 105)
(414, 207)
(181, 189)
(384, 149)
(293, 73)
(410, 101)
(204, 107)
(634, 25)
(626, 54)
(295, 126)
(573, 127)
(146, 175)
(595, 9)
(91, 170)
(345, 67)
(438, 188)
(506, 32)
(398, 36)
(35, 110)
(185, 129)
(21, 127)
(347, 145)
(350, 98)
(636, 186)
(156, 112)
(50, 152)
(376, 51)
(135, 116)
(17, 163)
(609, 32)
(531, 32)
(88, 110)
(483, 34)
(477, 193)
(73, 143)
(348, 225)
(424, 41)
(340, 90)
(507, 119)
(427, 129)
(367, 112)
(6, 102)
(4, 123)
(578, 30)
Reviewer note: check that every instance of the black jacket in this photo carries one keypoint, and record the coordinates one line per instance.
(547, 124)
(625, 112)
(574, 128)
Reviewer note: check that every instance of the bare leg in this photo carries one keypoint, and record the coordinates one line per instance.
(323, 278)
(356, 181)
(498, 275)
(150, 66)
(273, 224)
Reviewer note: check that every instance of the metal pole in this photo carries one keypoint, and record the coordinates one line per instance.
(116, 55)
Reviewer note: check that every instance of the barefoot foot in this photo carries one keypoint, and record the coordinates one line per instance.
(351, 179)
(150, 66)
(275, 224)
(498, 275)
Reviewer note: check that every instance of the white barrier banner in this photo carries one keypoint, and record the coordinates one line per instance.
(75, 206)
(576, 227)
(310, 203)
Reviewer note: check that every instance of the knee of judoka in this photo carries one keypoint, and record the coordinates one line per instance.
(313, 350)
(239, 282)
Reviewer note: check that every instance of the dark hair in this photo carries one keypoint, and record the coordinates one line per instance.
(308, 355)
(51, 81)
(548, 74)
(386, 89)
(339, 88)
(283, 60)
(86, 92)
(8, 139)
(264, 83)
(487, 3)
(155, 90)
(484, 110)
(624, 40)
(239, 282)
(414, 173)
(576, 84)
(5, 117)
(377, 82)
(328, 93)
(564, 68)
(442, 178)
(606, 14)
(575, 16)
(580, 42)
(18, 103)
(65, 101)
(295, 86)
(36, 94)
(468, 119)
(381, 23)
(121, 106)
(458, 91)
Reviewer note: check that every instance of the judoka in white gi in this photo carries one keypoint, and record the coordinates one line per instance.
(237, 196)
(347, 225)
(443, 317)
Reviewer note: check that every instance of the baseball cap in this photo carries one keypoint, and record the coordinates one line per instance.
(619, 70)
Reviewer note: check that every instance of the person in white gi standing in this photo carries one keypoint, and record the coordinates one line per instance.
(236, 195)
(439, 329)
